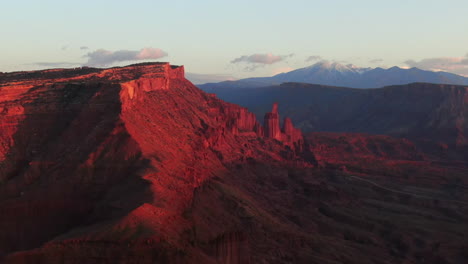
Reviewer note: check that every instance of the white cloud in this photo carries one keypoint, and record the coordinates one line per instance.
(102, 57)
(259, 60)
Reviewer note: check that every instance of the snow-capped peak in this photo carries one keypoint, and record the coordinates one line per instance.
(338, 67)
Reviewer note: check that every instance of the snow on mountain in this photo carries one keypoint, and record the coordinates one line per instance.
(349, 75)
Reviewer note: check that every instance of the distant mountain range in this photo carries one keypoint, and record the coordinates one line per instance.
(335, 74)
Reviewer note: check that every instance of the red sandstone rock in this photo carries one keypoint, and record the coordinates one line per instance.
(290, 135)
(288, 127)
(274, 109)
(113, 149)
(272, 123)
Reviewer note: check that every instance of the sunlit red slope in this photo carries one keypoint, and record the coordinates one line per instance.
(98, 158)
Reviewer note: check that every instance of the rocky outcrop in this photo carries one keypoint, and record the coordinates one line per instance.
(154, 81)
(246, 121)
(292, 135)
(289, 134)
(272, 123)
(240, 121)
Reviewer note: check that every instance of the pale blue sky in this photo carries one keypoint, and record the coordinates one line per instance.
(207, 35)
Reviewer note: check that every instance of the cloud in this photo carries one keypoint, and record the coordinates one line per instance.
(198, 78)
(267, 58)
(313, 58)
(458, 65)
(376, 61)
(260, 60)
(102, 57)
(84, 48)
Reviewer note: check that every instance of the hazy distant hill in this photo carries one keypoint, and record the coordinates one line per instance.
(336, 74)
(419, 110)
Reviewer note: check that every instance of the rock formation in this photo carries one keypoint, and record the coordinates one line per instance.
(292, 135)
(123, 147)
(272, 123)
(289, 134)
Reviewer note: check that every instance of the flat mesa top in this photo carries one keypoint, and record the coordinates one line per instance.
(129, 72)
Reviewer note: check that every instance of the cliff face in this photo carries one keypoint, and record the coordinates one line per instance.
(86, 154)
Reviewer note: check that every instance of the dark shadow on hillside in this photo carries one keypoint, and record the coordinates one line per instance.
(72, 164)
(269, 212)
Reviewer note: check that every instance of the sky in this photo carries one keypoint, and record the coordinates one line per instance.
(218, 40)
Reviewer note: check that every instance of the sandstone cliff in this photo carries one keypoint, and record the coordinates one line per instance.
(86, 154)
